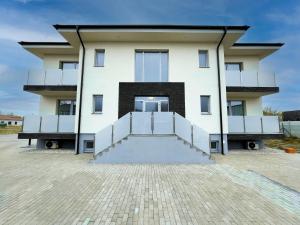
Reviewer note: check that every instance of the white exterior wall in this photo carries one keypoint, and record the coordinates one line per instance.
(48, 104)
(253, 105)
(52, 61)
(119, 64)
(249, 62)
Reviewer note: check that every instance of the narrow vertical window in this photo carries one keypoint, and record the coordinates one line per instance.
(99, 57)
(205, 104)
(203, 59)
(98, 103)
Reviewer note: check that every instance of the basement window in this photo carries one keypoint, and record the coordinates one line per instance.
(214, 146)
(88, 146)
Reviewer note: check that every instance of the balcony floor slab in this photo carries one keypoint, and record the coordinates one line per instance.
(63, 136)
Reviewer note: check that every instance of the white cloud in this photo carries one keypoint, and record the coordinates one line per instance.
(289, 18)
(3, 69)
(27, 1)
(15, 33)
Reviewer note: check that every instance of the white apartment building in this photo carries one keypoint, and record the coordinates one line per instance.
(145, 89)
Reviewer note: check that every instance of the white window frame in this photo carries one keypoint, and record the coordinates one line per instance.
(207, 56)
(95, 57)
(94, 105)
(151, 51)
(209, 105)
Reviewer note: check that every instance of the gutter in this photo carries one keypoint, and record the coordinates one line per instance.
(80, 94)
(220, 92)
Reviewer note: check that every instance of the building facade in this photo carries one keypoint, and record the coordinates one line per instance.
(11, 120)
(103, 72)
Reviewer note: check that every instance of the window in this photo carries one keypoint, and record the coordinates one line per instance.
(99, 57)
(9, 122)
(203, 59)
(16, 123)
(68, 65)
(235, 108)
(214, 146)
(205, 104)
(98, 102)
(151, 104)
(88, 146)
(234, 66)
(66, 107)
(151, 66)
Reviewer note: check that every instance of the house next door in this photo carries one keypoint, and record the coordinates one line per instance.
(151, 104)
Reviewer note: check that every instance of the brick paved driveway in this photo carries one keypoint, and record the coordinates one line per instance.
(61, 188)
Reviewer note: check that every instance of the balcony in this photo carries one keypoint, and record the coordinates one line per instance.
(251, 126)
(42, 81)
(261, 83)
(50, 126)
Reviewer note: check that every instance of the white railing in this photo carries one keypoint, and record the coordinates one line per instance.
(253, 124)
(52, 77)
(49, 124)
(147, 123)
(250, 79)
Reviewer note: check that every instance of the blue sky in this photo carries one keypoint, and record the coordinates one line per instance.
(32, 20)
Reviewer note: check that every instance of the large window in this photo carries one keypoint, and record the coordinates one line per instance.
(99, 57)
(205, 104)
(151, 66)
(203, 59)
(97, 103)
(234, 66)
(65, 65)
(235, 108)
(151, 104)
(66, 107)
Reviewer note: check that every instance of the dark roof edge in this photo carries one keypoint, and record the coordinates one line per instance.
(24, 43)
(148, 26)
(258, 44)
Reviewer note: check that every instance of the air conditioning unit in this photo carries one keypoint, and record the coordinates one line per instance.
(51, 144)
(252, 145)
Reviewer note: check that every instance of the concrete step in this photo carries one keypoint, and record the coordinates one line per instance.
(152, 149)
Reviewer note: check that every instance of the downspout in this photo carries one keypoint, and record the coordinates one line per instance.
(220, 92)
(80, 93)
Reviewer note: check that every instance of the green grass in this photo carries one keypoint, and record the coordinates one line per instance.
(284, 142)
(10, 130)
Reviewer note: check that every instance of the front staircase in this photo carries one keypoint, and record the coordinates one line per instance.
(157, 137)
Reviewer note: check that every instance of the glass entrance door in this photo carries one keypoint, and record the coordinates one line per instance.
(151, 104)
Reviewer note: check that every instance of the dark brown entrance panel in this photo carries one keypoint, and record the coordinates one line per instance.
(129, 90)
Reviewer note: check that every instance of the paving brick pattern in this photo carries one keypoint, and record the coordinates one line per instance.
(61, 188)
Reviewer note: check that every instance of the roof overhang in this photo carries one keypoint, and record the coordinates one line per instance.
(253, 49)
(150, 33)
(41, 49)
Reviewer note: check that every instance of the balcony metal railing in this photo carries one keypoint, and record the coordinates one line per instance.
(253, 124)
(49, 124)
(52, 77)
(250, 79)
